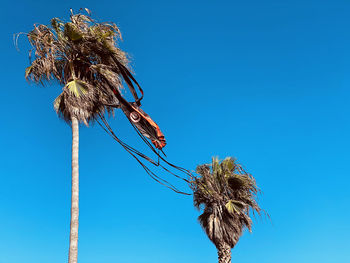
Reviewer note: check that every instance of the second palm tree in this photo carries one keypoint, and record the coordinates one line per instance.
(227, 195)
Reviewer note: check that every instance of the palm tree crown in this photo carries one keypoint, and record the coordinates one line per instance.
(82, 55)
(227, 195)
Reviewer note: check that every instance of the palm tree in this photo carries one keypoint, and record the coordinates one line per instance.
(83, 57)
(227, 195)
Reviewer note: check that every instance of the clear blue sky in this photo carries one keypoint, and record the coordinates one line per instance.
(264, 81)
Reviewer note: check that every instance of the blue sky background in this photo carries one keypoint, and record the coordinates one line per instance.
(264, 81)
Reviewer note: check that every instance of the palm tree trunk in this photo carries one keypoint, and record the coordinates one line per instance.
(74, 221)
(224, 253)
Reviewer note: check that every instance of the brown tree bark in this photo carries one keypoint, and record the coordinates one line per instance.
(224, 253)
(74, 221)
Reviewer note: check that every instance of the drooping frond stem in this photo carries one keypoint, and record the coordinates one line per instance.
(135, 154)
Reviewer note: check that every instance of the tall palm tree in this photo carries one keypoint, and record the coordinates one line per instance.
(83, 57)
(226, 193)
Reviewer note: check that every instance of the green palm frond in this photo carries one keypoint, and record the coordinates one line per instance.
(234, 206)
(72, 32)
(77, 87)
